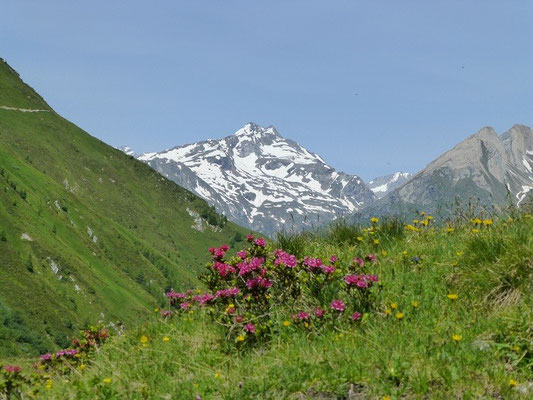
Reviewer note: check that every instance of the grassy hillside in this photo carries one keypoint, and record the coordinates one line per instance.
(87, 233)
(450, 318)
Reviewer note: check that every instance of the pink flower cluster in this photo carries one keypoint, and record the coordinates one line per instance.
(303, 316)
(371, 257)
(359, 261)
(338, 305)
(250, 328)
(252, 265)
(230, 292)
(242, 254)
(315, 265)
(173, 295)
(166, 313)
(319, 312)
(286, 259)
(260, 242)
(203, 299)
(312, 263)
(68, 352)
(360, 281)
(258, 282)
(14, 369)
(220, 252)
(223, 268)
(356, 316)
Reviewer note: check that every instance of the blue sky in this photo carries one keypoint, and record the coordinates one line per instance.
(372, 86)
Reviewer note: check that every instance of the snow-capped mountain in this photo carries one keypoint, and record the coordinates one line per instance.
(128, 150)
(263, 181)
(384, 184)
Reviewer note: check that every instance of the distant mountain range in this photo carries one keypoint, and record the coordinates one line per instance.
(493, 169)
(266, 182)
(263, 181)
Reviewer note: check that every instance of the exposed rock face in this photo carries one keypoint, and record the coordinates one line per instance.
(263, 181)
(484, 166)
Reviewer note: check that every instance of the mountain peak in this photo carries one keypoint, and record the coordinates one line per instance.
(487, 132)
(262, 180)
(252, 129)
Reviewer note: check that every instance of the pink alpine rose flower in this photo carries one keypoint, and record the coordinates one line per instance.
(303, 315)
(371, 257)
(260, 242)
(14, 369)
(359, 261)
(356, 316)
(250, 328)
(319, 312)
(338, 305)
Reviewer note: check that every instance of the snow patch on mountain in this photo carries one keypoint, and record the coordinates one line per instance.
(384, 184)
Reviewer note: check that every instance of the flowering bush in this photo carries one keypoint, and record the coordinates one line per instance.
(260, 290)
(14, 383)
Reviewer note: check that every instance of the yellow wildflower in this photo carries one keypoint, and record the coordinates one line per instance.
(512, 382)
(144, 339)
(166, 339)
(449, 230)
(424, 222)
(516, 348)
(306, 324)
(81, 367)
(399, 315)
(429, 217)
(286, 323)
(453, 296)
(475, 230)
(374, 220)
(107, 380)
(384, 252)
(460, 253)
(487, 222)
(415, 303)
(376, 241)
(415, 221)
(422, 213)
(240, 338)
(388, 311)
(217, 376)
(457, 338)
(156, 310)
(49, 384)
(394, 306)
(359, 238)
(198, 291)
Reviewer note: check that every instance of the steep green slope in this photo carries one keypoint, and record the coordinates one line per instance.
(86, 232)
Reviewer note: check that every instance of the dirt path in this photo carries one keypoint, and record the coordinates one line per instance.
(21, 109)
